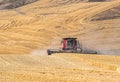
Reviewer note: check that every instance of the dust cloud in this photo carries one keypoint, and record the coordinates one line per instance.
(41, 52)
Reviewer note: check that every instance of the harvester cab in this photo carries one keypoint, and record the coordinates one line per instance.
(69, 45)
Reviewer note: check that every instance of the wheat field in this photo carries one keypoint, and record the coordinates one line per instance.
(59, 68)
(27, 31)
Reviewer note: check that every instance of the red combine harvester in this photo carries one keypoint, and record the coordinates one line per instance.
(69, 45)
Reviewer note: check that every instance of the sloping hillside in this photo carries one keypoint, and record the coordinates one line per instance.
(31, 29)
(43, 23)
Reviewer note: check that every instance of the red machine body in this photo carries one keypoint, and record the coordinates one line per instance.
(69, 45)
(64, 42)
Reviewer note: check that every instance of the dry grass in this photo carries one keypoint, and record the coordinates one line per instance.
(59, 67)
(42, 24)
